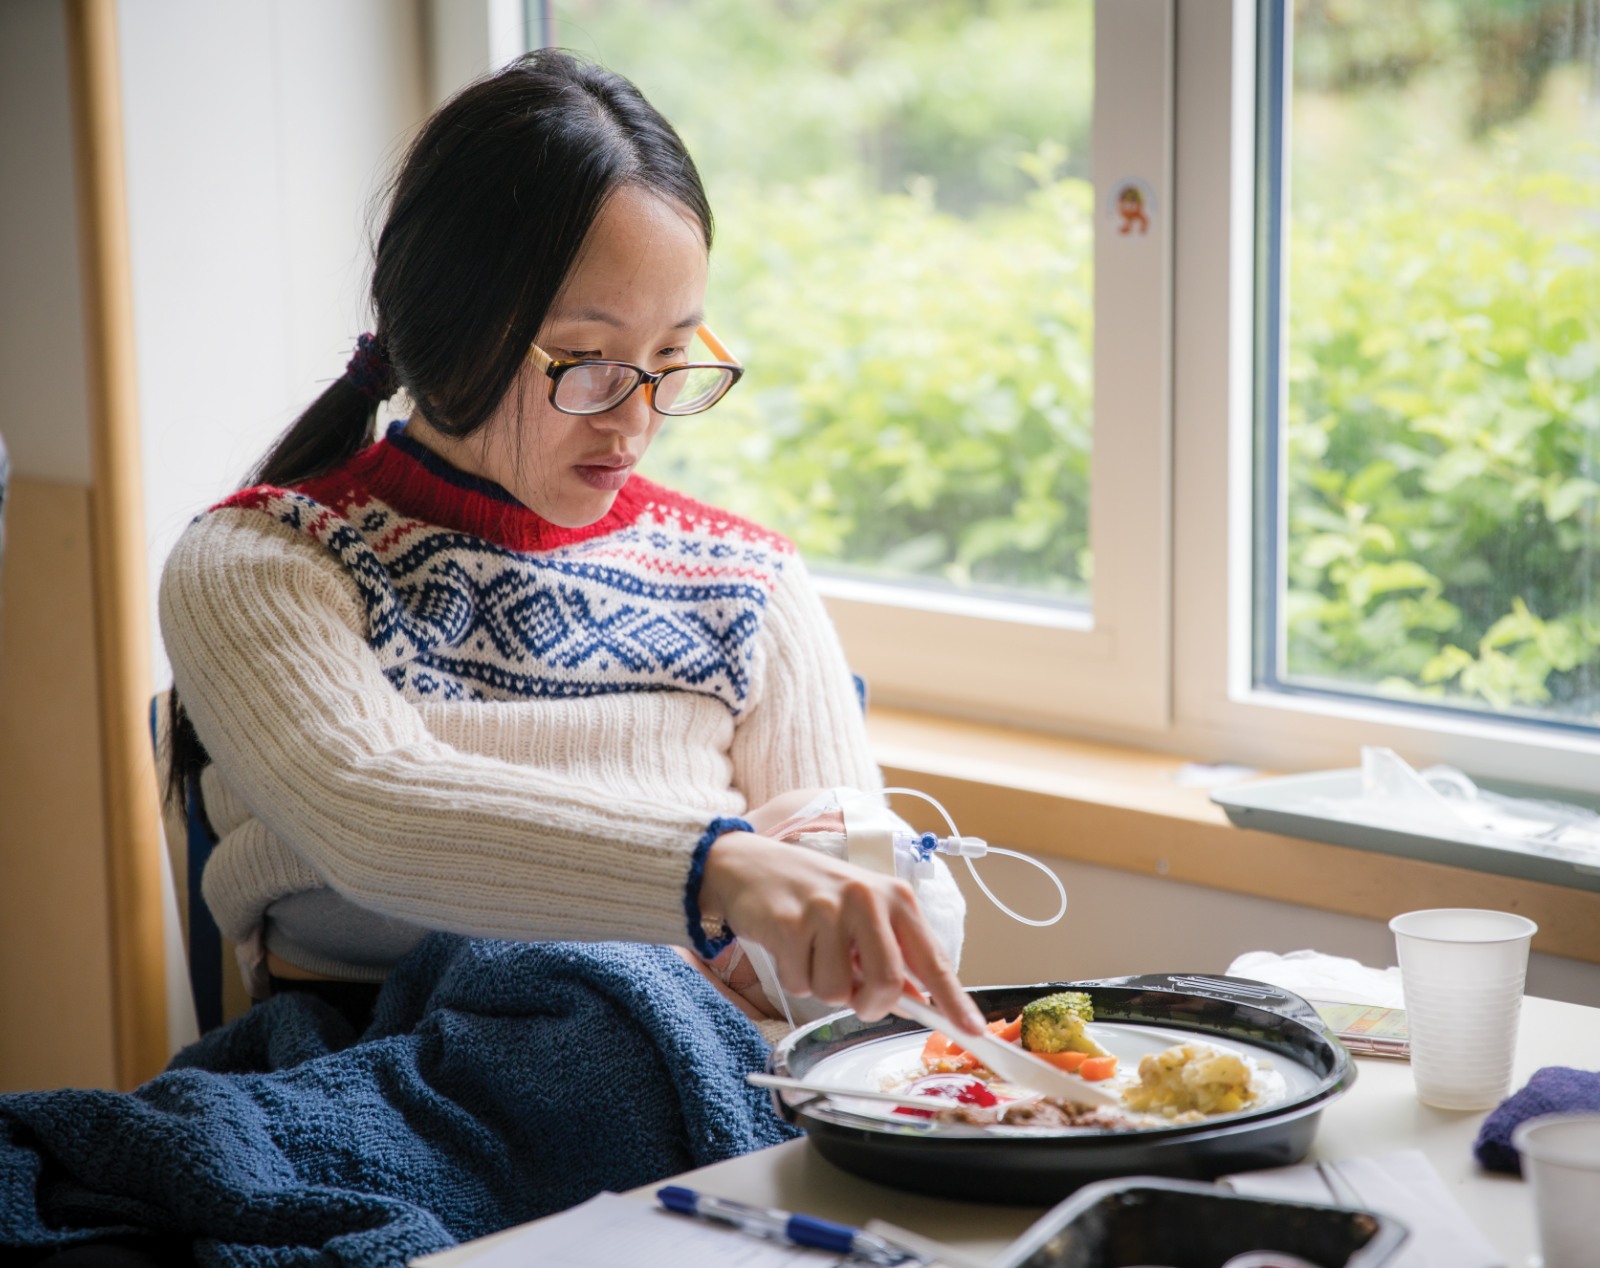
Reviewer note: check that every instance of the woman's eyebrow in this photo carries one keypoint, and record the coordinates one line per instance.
(691, 322)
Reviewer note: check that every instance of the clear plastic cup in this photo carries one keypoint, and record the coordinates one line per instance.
(1561, 1160)
(1462, 971)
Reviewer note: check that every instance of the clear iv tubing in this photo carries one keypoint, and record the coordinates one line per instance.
(783, 995)
(994, 849)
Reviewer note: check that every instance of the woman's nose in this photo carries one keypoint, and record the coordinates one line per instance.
(631, 418)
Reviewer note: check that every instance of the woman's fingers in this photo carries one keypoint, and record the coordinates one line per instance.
(832, 967)
(883, 968)
(834, 930)
(927, 961)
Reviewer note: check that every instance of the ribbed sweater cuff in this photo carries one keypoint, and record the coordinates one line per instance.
(706, 947)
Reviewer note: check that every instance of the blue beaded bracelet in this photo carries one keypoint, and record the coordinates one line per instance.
(708, 948)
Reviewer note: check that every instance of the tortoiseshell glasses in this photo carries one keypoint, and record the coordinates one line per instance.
(593, 387)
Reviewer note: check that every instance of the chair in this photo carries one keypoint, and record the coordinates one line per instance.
(189, 846)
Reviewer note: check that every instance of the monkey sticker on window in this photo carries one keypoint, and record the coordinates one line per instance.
(1132, 206)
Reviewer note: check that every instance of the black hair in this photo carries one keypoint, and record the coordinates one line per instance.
(486, 217)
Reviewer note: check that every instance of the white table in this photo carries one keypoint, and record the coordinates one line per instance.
(1381, 1115)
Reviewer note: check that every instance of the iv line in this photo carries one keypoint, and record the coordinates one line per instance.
(994, 849)
(783, 995)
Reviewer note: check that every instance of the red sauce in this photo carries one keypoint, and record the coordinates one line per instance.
(962, 1089)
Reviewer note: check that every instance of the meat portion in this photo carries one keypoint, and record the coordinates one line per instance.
(1040, 1113)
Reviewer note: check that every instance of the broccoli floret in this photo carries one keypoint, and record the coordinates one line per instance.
(1056, 1024)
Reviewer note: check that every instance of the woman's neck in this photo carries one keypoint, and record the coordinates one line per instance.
(458, 452)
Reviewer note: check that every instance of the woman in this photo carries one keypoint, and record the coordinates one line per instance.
(479, 677)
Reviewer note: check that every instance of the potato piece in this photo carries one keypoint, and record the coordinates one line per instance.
(1191, 1078)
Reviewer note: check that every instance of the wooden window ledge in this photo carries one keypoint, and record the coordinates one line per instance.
(1122, 808)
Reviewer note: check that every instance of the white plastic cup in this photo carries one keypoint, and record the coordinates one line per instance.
(1462, 971)
(1561, 1160)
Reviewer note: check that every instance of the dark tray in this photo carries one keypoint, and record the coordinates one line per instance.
(1186, 1225)
(1037, 1169)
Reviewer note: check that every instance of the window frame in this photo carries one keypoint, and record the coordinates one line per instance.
(1189, 685)
(1269, 636)
(1046, 664)
(1220, 709)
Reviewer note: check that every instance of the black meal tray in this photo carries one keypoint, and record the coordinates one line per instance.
(1040, 1168)
(1181, 1224)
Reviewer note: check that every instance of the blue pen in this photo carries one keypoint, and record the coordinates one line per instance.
(782, 1226)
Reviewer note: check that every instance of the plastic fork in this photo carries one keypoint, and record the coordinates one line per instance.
(834, 1093)
(1011, 1063)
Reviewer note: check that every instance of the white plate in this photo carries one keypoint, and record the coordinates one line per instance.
(889, 1063)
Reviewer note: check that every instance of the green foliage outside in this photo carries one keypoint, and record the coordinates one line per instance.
(1444, 401)
(904, 262)
(918, 400)
(1444, 356)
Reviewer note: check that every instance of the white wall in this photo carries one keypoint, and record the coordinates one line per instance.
(42, 395)
(1119, 923)
(259, 137)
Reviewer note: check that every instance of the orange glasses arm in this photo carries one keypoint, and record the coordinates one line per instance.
(542, 360)
(715, 344)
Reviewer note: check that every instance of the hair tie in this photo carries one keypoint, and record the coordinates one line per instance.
(369, 371)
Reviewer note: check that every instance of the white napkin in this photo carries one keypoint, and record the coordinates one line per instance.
(1402, 1185)
(1327, 979)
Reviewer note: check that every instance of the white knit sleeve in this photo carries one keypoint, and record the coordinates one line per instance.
(804, 727)
(265, 633)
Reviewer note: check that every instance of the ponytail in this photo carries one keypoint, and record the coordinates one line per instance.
(335, 427)
(186, 755)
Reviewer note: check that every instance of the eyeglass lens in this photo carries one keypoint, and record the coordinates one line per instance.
(590, 389)
(692, 389)
(593, 389)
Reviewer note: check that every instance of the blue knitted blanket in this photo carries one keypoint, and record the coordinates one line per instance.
(498, 1082)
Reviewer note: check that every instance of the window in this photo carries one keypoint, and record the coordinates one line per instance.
(948, 301)
(1430, 355)
(1371, 319)
(904, 260)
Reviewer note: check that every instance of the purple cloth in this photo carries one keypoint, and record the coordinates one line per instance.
(1554, 1090)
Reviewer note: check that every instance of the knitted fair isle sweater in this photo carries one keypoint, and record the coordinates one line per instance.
(420, 695)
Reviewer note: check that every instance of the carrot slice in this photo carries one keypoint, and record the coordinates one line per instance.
(1013, 1030)
(1097, 1068)
(1068, 1061)
(936, 1047)
(995, 1027)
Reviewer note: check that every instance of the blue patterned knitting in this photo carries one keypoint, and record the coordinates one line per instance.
(470, 596)
(498, 1082)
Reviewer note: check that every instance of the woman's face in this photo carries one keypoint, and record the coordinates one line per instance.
(636, 293)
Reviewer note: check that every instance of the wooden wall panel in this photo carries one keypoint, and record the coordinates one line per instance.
(55, 951)
(134, 855)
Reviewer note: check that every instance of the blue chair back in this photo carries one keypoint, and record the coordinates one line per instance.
(201, 935)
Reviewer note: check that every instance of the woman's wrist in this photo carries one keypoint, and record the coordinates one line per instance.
(703, 905)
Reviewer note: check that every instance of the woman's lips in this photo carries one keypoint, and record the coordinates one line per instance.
(606, 476)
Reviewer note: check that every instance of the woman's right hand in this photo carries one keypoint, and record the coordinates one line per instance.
(835, 931)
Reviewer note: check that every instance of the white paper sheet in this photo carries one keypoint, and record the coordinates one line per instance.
(1402, 1185)
(610, 1231)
